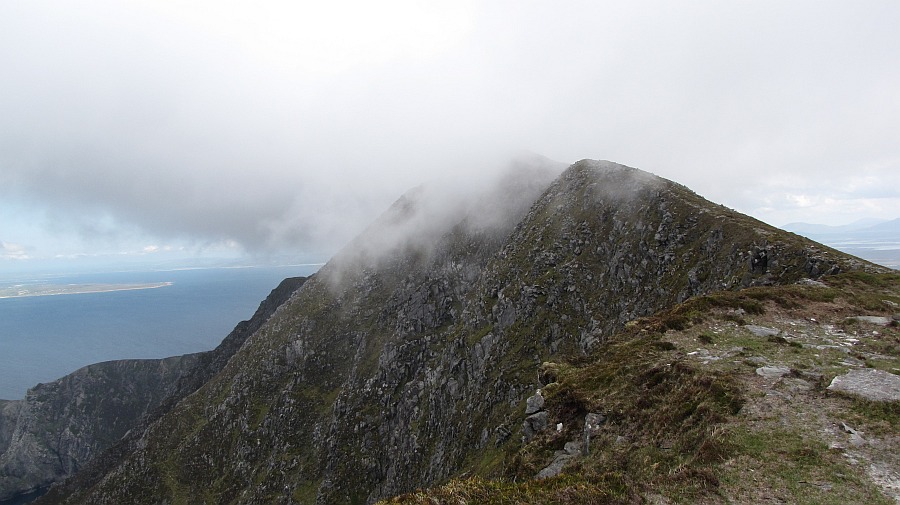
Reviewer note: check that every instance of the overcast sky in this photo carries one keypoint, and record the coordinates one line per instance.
(225, 127)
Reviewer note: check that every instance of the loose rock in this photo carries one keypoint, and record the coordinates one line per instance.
(868, 383)
(534, 424)
(883, 321)
(534, 403)
(773, 372)
(762, 331)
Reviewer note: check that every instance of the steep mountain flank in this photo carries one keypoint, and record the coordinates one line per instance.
(60, 426)
(409, 357)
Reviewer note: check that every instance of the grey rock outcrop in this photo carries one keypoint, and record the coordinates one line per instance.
(534, 424)
(560, 460)
(534, 403)
(536, 419)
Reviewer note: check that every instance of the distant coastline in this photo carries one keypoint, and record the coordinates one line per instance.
(43, 338)
(27, 290)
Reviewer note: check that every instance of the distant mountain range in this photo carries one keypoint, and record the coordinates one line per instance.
(872, 239)
(864, 226)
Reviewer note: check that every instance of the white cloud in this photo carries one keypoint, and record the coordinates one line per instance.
(13, 251)
(286, 126)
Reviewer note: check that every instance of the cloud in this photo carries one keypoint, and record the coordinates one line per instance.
(838, 197)
(280, 126)
(13, 251)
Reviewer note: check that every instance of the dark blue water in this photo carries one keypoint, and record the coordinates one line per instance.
(43, 338)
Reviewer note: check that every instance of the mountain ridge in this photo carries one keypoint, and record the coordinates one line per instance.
(399, 366)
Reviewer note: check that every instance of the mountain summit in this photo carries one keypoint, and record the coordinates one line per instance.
(414, 355)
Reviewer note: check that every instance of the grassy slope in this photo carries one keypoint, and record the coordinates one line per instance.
(690, 421)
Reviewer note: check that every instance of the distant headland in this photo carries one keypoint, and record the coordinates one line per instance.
(24, 290)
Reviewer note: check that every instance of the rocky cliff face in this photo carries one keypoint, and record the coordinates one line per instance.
(409, 357)
(60, 426)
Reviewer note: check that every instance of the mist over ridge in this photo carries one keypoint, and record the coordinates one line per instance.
(255, 130)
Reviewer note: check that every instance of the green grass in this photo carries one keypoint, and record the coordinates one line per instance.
(306, 492)
(611, 489)
(878, 417)
(789, 466)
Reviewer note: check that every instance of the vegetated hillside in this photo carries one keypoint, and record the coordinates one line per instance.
(409, 357)
(776, 394)
(60, 426)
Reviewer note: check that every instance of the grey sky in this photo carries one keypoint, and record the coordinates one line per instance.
(268, 126)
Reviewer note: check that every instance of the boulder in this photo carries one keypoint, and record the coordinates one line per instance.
(762, 331)
(562, 457)
(883, 321)
(534, 424)
(534, 403)
(773, 372)
(869, 384)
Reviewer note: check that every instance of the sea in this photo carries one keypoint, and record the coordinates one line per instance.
(884, 253)
(43, 338)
